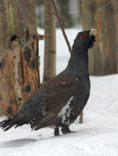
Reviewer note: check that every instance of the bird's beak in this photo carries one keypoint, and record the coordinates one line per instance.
(93, 32)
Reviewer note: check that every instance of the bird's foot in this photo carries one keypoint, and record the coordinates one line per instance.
(56, 131)
(65, 129)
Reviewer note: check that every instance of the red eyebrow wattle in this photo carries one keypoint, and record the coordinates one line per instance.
(83, 34)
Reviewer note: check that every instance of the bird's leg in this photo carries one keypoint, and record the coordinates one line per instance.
(56, 131)
(65, 129)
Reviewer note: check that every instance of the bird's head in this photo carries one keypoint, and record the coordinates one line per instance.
(86, 38)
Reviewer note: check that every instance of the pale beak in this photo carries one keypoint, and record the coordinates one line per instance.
(93, 32)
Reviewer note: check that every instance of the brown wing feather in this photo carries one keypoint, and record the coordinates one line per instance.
(48, 121)
(58, 91)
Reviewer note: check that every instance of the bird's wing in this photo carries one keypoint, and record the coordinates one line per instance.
(57, 92)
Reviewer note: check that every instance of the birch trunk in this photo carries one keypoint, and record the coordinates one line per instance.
(50, 42)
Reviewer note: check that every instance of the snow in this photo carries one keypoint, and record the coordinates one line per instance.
(97, 136)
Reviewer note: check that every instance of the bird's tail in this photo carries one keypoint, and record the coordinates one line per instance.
(16, 120)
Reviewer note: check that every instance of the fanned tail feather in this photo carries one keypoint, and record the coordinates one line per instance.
(16, 120)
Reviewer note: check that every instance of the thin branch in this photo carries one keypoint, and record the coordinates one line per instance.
(61, 26)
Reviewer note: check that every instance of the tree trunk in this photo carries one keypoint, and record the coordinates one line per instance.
(81, 117)
(102, 15)
(19, 76)
(66, 12)
(50, 42)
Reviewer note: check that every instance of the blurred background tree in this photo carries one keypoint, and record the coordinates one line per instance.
(49, 41)
(64, 11)
(69, 12)
(102, 15)
(40, 13)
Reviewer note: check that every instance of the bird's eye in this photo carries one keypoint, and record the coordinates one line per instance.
(82, 35)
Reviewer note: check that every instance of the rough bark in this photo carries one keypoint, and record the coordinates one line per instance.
(19, 76)
(102, 15)
(50, 42)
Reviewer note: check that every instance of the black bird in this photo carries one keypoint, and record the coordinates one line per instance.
(60, 100)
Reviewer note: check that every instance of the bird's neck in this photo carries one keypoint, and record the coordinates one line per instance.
(78, 63)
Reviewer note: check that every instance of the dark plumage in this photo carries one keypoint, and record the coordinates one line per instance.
(59, 101)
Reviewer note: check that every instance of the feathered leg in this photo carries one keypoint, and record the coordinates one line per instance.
(65, 129)
(56, 131)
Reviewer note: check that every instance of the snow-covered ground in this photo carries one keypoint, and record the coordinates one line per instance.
(97, 136)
